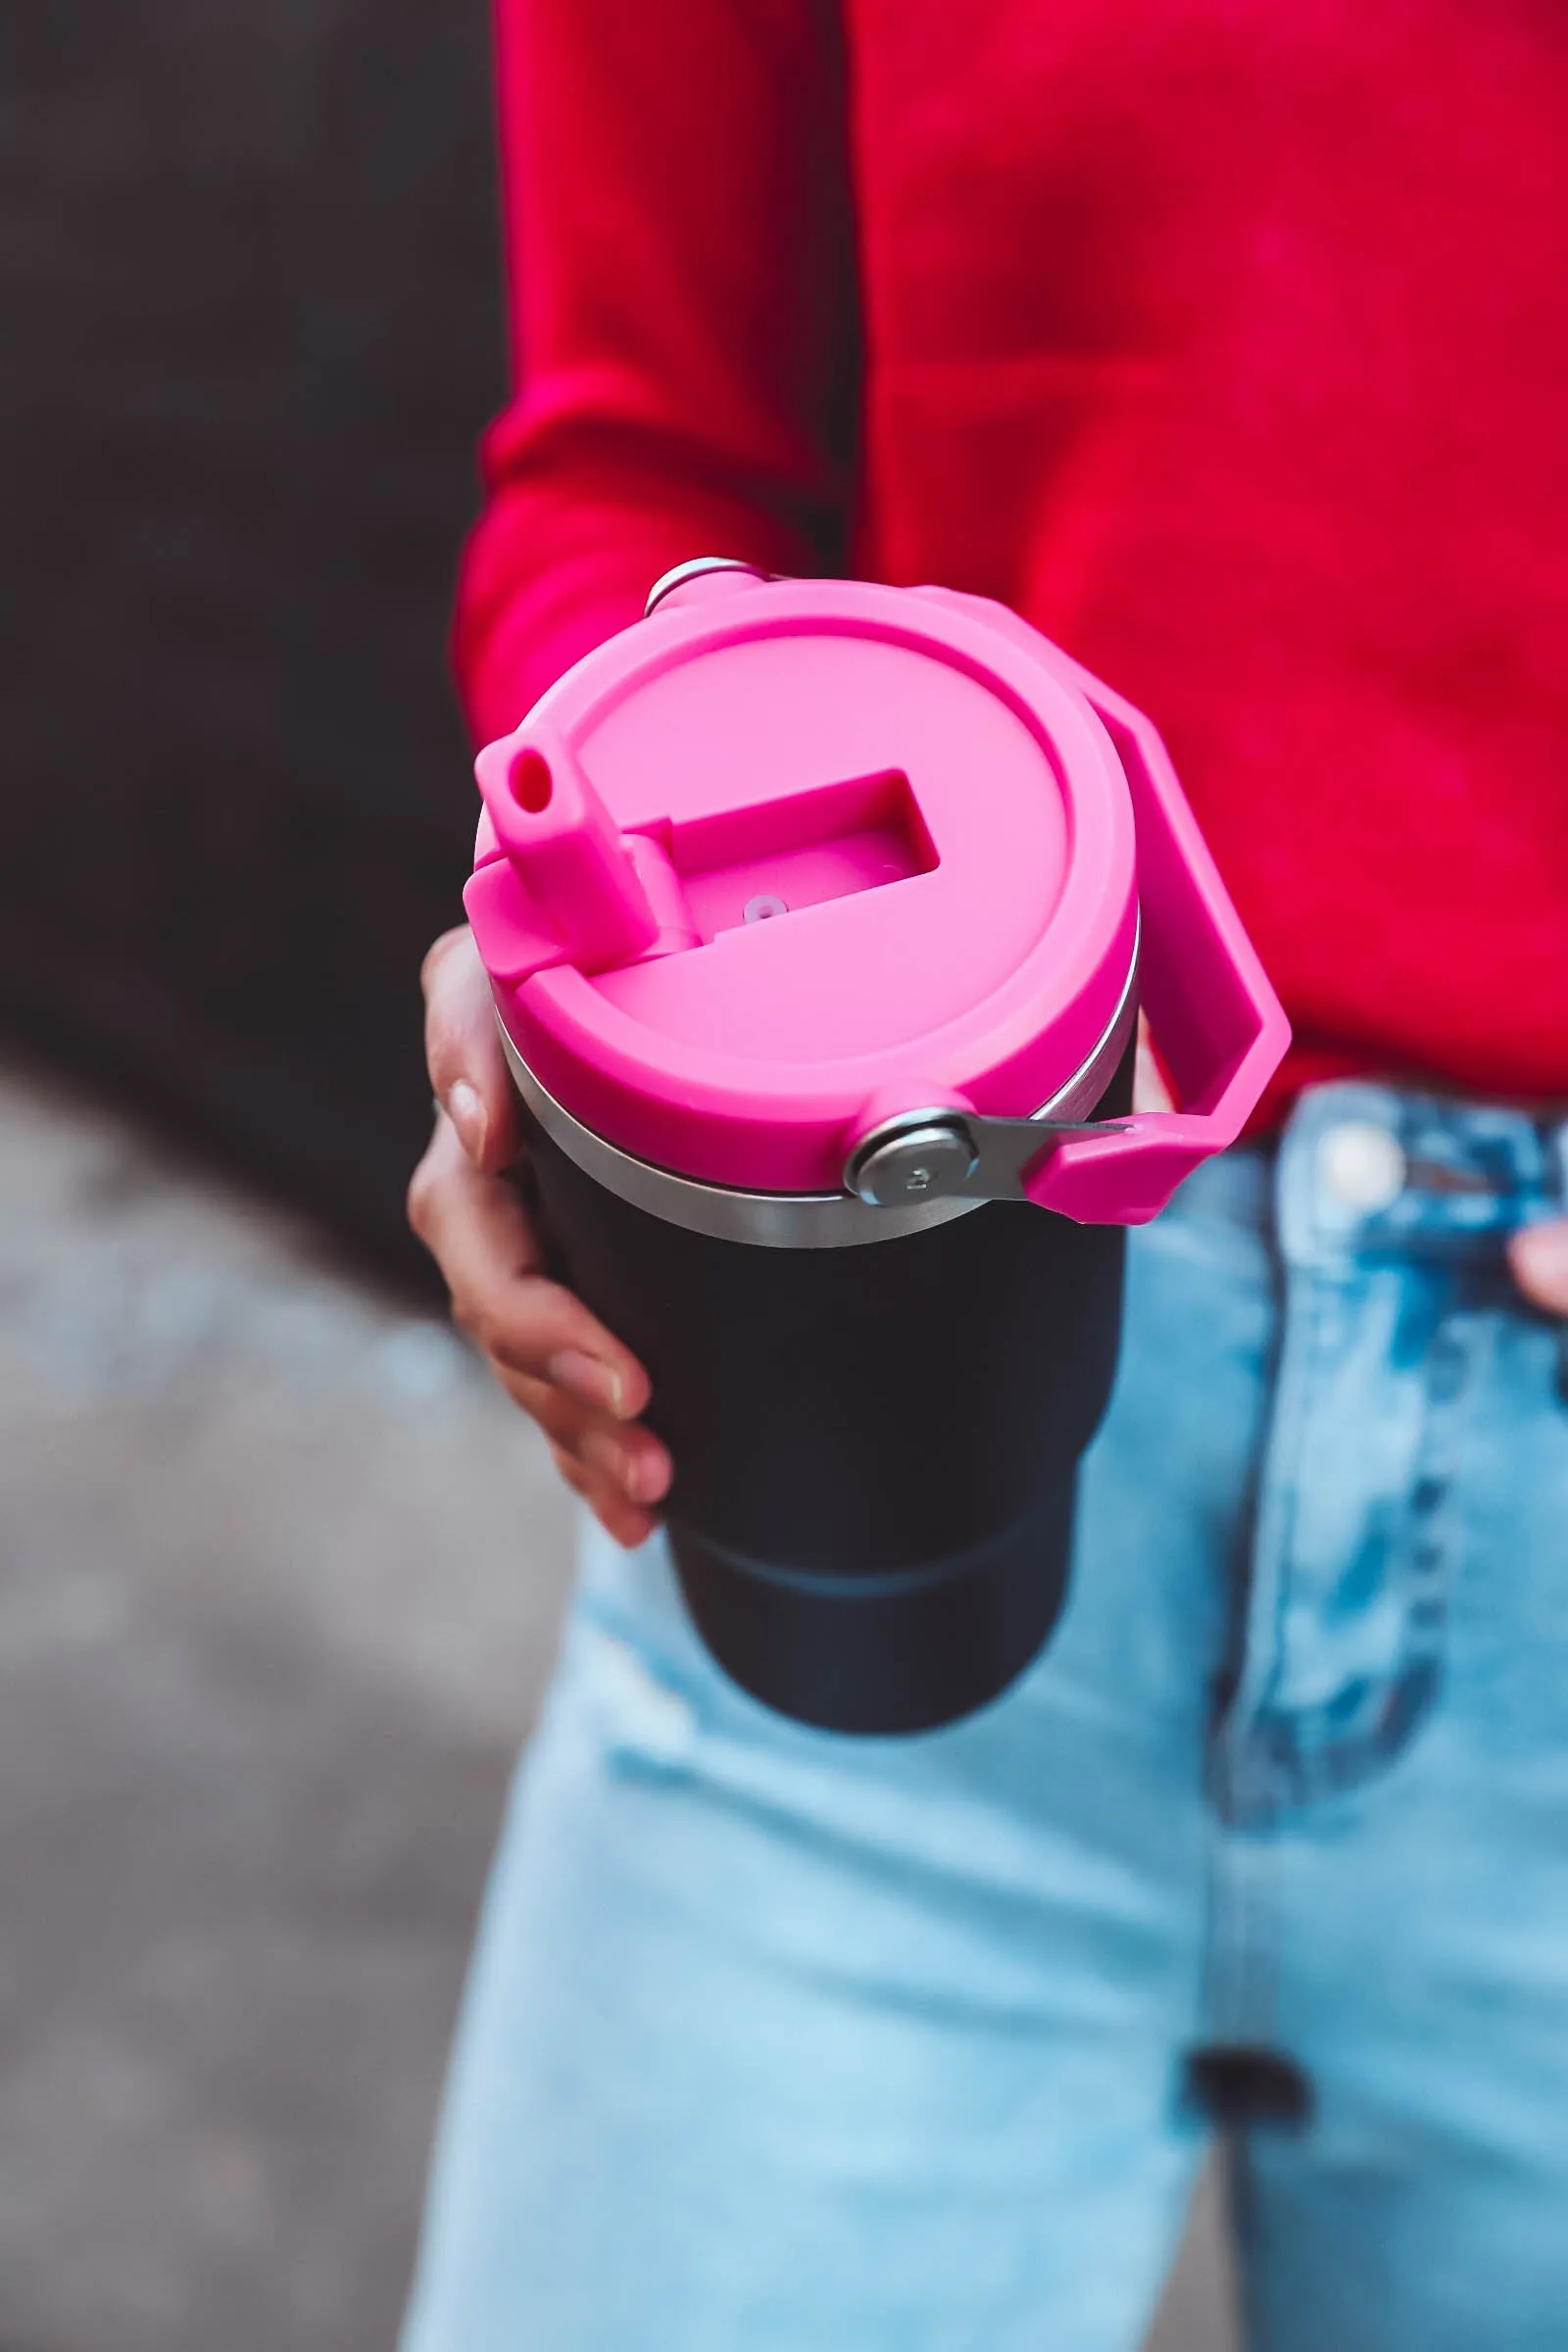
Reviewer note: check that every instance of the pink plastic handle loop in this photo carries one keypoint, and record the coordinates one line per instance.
(1220, 1028)
(581, 882)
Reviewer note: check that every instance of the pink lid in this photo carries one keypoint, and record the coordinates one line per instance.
(789, 849)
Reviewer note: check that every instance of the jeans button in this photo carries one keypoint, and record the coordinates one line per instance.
(1361, 1165)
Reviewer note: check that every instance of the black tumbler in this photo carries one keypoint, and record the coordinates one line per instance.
(877, 1448)
(817, 917)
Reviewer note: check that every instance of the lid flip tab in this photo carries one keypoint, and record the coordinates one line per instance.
(578, 870)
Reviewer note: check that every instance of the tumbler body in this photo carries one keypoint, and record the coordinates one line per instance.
(876, 1447)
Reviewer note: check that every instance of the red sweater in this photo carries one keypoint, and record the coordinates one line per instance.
(1225, 339)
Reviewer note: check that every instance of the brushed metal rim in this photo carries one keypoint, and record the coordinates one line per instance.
(697, 567)
(792, 1220)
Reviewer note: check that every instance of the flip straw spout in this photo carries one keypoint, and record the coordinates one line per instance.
(576, 866)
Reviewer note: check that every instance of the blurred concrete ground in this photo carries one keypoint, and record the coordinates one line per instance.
(279, 1573)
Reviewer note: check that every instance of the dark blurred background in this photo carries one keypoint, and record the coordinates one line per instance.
(250, 285)
(279, 1571)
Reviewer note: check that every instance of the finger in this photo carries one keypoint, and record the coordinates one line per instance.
(475, 1228)
(1538, 1255)
(462, 1050)
(615, 1515)
(447, 1191)
(625, 1452)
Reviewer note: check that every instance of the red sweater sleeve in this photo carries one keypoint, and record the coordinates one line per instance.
(683, 322)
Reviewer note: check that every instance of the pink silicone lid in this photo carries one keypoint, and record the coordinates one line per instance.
(778, 853)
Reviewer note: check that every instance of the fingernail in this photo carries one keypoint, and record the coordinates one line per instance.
(1540, 1255)
(1545, 1250)
(647, 1476)
(641, 1474)
(607, 1454)
(586, 1376)
(466, 1113)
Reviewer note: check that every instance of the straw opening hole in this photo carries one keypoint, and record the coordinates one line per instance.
(531, 782)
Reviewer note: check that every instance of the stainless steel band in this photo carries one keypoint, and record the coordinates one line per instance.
(806, 1220)
(697, 567)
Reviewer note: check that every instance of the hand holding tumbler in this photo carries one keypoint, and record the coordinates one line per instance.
(818, 915)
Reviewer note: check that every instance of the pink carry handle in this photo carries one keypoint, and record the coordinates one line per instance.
(1220, 1028)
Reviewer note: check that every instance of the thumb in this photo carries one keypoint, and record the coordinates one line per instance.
(1538, 1255)
(468, 1068)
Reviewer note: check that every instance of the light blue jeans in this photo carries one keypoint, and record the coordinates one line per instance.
(782, 2042)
